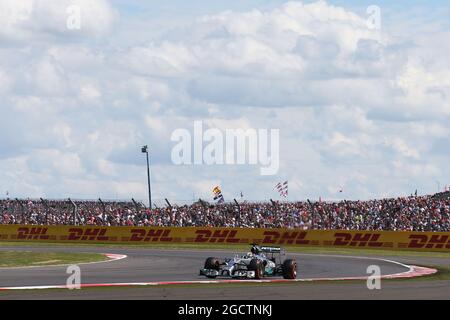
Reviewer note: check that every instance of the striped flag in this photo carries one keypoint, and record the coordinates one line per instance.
(218, 195)
(282, 189)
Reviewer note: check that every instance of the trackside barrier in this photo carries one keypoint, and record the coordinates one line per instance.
(423, 241)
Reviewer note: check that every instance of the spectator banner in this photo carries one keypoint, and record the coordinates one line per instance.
(426, 241)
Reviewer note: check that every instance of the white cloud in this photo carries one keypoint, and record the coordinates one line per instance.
(4, 82)
(402, 148)
(90, 92)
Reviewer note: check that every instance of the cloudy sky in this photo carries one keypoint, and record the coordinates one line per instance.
(359, 109)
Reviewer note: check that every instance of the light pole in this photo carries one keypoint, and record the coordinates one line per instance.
(145, 150)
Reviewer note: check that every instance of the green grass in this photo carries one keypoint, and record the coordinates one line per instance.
(243, 248)
(10, 259)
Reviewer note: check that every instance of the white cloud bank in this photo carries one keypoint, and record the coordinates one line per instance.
(358, 109)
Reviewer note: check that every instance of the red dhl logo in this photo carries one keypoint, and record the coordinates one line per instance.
(276, 237)
(429, 242)
(90, 234)
(357, 239)
(35, 233)
(228, 236)
(153, 235)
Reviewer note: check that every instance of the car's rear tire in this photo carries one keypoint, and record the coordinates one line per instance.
(289, 269)
(212, 263)
(257, 266)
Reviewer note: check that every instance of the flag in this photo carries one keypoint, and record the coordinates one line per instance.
(282, 188)
(218, 195)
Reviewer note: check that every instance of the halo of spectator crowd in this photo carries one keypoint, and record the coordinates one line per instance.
(426, 213)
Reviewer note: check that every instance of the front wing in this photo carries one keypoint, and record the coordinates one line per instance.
(238, 274)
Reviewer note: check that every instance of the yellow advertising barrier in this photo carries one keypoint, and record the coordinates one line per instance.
(424, 241)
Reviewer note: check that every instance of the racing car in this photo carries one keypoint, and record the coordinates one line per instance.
(258, 263)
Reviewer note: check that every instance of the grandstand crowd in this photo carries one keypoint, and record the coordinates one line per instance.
(424, 213)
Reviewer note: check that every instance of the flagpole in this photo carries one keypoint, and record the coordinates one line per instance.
(287, 190)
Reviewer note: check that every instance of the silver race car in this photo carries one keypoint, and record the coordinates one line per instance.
(258, 263)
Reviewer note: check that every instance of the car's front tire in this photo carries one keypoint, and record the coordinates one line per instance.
(289, 269)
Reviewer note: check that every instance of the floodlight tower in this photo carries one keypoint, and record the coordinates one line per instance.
(144, 149)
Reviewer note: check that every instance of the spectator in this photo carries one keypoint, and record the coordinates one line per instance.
(406, 214)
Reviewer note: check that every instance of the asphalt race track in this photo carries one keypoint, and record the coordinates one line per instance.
(151, 265)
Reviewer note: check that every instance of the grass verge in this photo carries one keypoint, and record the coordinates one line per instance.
(9, 259)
